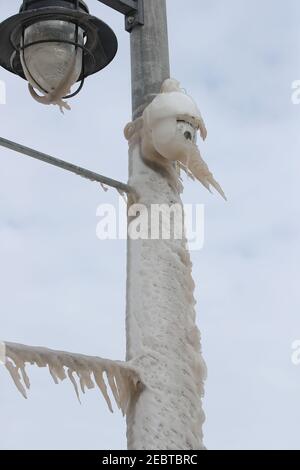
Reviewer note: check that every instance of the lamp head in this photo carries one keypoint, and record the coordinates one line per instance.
(39, 43)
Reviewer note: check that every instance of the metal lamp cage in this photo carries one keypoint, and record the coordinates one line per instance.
(100, 43)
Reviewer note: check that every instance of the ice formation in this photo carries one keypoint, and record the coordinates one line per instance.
(168, 130)
(121, 377)
(163, 337)
(54, 97)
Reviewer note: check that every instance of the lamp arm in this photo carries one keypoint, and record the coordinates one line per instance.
(133, 10)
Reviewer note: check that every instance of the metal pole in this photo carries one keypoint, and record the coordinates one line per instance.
(162, 337)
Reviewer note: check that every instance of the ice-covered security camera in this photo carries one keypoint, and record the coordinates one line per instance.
(169, 127)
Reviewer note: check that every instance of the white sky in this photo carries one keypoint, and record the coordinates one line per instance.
(62, 288)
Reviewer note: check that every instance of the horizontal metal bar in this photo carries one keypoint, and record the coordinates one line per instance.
(77, 170)
(123, 6)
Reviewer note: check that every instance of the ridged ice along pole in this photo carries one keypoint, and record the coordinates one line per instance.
(162, 337)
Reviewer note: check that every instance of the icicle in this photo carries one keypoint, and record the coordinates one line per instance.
(59, 372)
(14, 372)
(25, 377)
(85, 380)
(53, 375)
(123, 392)
(122, 193)
(200, 170)
(73, 381)
(105, 188)
(114, 388)
(186, 170)
(102, 386)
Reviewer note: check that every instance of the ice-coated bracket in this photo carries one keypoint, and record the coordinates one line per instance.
(133, 10)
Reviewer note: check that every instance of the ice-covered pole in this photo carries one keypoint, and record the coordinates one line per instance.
(162, 337)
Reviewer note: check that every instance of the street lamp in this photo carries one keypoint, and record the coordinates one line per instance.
(55, 43)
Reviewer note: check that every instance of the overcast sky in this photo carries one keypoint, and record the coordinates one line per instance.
(63, 288)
